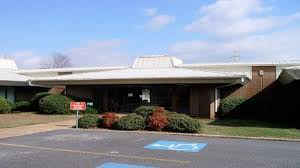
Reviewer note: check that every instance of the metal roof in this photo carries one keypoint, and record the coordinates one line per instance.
(140, 75)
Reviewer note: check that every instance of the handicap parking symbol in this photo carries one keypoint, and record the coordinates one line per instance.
(176, 146)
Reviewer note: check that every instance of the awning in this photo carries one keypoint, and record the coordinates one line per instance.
(289, 75)
(144, 76)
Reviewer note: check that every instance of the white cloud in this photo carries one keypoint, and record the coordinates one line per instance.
(94, 53)
(99, 53)
(231, 18)
(150, 11)
(276, 46)
(160, 21)
(157, 21)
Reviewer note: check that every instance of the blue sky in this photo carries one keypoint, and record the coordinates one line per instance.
(114, 32)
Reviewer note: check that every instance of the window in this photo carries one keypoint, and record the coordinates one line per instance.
(8, 93)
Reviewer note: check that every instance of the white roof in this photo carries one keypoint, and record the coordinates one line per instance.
(233, 64)
(293, 67)
(82, 69)
(147, 69)
(8, 64)
(156, 61)
(10, 78)
(141, 74)
(290, 74)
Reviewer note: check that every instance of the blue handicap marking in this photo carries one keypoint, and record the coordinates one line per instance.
(177, 146)
(118, 165)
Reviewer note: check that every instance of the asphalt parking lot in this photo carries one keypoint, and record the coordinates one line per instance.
(102, 149)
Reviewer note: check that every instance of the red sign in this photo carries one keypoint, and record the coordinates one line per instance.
(78, 106)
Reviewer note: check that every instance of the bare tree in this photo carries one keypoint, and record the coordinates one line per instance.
(58, 60)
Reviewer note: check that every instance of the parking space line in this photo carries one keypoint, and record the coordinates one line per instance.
(96, 153)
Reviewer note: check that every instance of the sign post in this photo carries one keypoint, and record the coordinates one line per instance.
(78, 106)
(77, 118)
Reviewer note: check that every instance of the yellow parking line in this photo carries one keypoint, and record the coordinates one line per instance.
(96, 153)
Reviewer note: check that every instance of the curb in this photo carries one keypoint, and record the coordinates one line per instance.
(194, 135)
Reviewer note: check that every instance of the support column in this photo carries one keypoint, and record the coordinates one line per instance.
(202, 101)
(174, 100)
(105, 100)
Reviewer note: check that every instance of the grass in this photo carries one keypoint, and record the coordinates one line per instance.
(29, 118)
(248, 128)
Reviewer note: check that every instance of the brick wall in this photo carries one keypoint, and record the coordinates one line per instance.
(258, 83)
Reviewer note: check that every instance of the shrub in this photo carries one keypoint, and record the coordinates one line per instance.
(109, 119)
(91, 110)
(12, 105)
(55, 104)
(230, 103)
(183, 123)
(5, 107)
(145, 111)
(36, 99)
(23, 106)
(131, 122)
(88, 121)
(157, 120)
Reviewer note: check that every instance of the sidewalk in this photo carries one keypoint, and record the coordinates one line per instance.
(31, 129)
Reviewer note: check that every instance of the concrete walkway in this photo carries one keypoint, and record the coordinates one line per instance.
(31, 129)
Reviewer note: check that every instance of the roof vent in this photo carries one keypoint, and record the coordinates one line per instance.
(8, 64)
(156, 61)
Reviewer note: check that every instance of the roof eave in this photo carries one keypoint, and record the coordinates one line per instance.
(288, 76)
(206, 80)
(14, 83)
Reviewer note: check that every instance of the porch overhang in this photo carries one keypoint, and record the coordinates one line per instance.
(13, 83)
(10, 78)
(144, 76)
(240, 80)
(289, 75)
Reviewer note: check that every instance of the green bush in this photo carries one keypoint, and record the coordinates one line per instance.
(5, 107)
(90, 110)
(182, 123)
(131, 122)
(12, 105)
(36, 99)
(23, 106)
(88, 121)
(55, 104)
(230, 103)
(145, 111)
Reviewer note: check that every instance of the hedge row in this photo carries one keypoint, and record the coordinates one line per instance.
(44, 103)
(159, 119)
